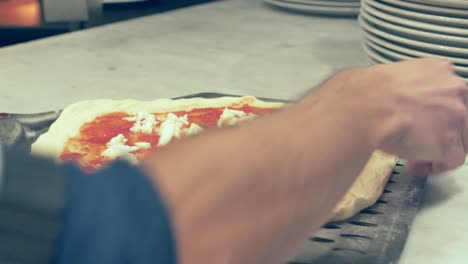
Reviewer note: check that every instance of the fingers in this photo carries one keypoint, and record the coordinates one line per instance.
(441, 167)
(459, 155)
(455, 157)
(464, 131)
(464, 135)
(431, 168)
(439, 130)
(420, 168)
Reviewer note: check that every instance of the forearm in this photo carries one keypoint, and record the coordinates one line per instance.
(251, 194)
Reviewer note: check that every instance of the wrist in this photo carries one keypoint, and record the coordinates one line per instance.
(385, 122)
(350, 99)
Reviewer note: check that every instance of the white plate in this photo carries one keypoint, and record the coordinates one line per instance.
(395, 56)
(441, 20)
(375, 56)
(378, 58)
(415, 24)
(325, 3)
(414, 33)
(418, 45)
(318, 10)
(444, 3)
(391, 55)
(408, 51)
(435, 10)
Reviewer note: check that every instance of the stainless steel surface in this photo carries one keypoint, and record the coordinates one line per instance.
(21, 130)
(39, 120)
(11, 131)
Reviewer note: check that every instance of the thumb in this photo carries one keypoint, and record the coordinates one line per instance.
(420, 168)
(425, 168)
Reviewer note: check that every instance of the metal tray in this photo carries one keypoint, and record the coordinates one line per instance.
(376, 235)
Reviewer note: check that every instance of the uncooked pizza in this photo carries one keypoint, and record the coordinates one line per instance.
(93, 133)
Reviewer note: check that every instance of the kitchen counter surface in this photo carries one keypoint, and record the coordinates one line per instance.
(236, 46)
(232, 46)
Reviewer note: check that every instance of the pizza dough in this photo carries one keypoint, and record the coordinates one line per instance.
(73, 117)
(363, 193)
(367, 187)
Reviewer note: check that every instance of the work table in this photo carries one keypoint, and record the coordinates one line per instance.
(232, 46)
(229, 46)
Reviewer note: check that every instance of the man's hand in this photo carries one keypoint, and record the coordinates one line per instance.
(253, 193)
(422, 114)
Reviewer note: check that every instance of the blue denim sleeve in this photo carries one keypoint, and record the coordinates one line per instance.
(114, 217)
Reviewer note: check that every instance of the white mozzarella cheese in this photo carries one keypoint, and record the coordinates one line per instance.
(171, 128)
(117, 140)
(194, 129)
(144, 122)
(143, 145)
(231, 117)
(246, 118)
(116, 148)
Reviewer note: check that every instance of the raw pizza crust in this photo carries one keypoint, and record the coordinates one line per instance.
(73, 117)
(367, 187)
(363, 193)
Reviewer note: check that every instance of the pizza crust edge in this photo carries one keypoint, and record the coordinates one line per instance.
(367, 188)
(68, 124)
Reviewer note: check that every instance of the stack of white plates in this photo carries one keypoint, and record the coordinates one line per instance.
(319, 7)
(401, 29)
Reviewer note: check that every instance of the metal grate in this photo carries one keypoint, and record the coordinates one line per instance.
(377, 234)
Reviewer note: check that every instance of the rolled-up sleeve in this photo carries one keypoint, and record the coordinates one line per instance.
(114, 216)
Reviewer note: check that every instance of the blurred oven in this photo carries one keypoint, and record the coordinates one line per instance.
(20, 13)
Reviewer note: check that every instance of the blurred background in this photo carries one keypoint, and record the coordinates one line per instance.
(26, 20)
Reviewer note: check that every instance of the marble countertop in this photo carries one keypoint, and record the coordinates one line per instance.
(231, 46)
(235, 46)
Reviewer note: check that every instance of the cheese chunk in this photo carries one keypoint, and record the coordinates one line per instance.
(143, 145)
(194, 129)
(246, 118)
(144, 122)
(231, 117)
(171, 128)
(117, 140)
(116, 148)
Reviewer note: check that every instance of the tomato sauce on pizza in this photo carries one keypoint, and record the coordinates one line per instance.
(123, 135)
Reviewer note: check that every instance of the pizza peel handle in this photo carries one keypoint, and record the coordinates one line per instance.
(11, 131)
(39, 120)
(21, 130)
